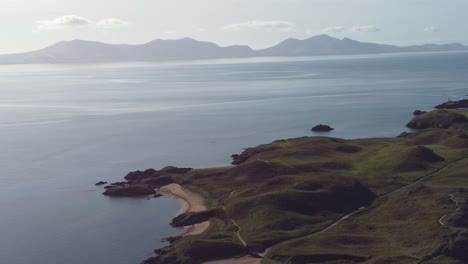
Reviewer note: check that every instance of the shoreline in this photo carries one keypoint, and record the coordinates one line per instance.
(189, 202)
(193, 202)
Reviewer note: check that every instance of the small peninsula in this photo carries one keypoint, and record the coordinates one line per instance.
(326, 200)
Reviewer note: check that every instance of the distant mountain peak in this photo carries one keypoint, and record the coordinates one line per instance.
(322, 36)
(86, 51)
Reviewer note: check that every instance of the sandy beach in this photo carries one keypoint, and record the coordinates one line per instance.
(190, 202)
(193, 202)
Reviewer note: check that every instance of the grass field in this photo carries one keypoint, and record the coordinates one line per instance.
(281, 194)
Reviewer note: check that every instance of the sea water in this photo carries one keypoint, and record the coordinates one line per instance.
(65, 127)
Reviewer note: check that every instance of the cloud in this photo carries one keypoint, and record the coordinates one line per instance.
(265, 25)
(171, 32)
(431, 29)
(70, 21)
(365, 28)
(73, 21)
(336, 29)
(108, 23)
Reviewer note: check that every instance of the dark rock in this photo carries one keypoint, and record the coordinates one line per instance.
(459, 218)
(121, 184)
(108, 187)
(457, 247)
(248, 153)
(130, 191)
(159, 181)
(139, 175)
(157, 195)
(419, 112)
(241, 158)
(187, 219)
(100, 183)
(322, 128)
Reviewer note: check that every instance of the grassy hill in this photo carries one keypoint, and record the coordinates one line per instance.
(330, 200)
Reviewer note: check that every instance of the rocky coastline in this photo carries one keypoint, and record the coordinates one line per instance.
(212, 228)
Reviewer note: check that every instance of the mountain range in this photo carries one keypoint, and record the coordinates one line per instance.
(83, 51)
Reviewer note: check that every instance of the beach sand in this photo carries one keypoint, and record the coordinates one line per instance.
(190, 202)
(193, 202)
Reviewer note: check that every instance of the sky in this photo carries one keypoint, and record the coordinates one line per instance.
(28, 25)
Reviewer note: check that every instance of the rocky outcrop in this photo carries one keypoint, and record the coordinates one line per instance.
(241, 158)
(139, 175)
(454, 104)
(459, 218)
(437, 119)
(136, 176)
(457, 247)
(322, 128)
(100, 183)
(143, 183)
(130, 191)
(193, 218)
(159, 181)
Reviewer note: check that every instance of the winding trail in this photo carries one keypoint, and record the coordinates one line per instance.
(239, 236)
(238, 232)
(363, 209)
(253, 260)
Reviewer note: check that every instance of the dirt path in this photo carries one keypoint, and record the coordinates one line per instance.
(250, 260)
(239, 232)
(363, 209)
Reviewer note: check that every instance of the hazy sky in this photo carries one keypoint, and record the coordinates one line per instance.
(31, 24)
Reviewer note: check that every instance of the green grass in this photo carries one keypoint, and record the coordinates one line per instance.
(291, 188)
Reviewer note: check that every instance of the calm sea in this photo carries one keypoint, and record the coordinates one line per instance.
(65, 127)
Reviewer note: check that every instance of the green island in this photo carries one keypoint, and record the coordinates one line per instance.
(329, 200)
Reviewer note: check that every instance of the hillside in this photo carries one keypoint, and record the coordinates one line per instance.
(82, 51)
(330, 200)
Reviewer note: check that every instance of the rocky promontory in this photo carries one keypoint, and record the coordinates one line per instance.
(130, 190)
(454, 104)
(143, 183)
(437, 119)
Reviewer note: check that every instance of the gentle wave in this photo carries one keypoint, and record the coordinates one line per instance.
(36, 123)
